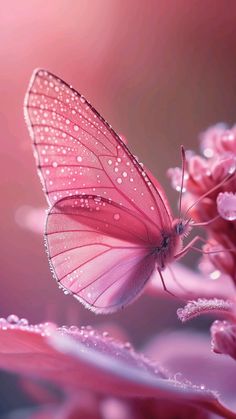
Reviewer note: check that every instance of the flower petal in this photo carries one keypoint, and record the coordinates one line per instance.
(81, 358)
(189, 354)
(224, 338)
(226, 205)
(203, 306)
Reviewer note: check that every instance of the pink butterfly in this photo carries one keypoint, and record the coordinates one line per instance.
(109, 225)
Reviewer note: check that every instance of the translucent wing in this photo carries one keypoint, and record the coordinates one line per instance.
(78, 152)
(98, 251)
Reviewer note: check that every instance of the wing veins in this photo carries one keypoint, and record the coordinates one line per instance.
(130, 201)
(72, 122)
(98, 244)
(97, 278)
(87, 231)
(64, 104)
(84, 263)
(104, 222)
(63, 132)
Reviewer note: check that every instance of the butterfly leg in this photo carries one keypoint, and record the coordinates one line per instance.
(164, 285)
(189, 246)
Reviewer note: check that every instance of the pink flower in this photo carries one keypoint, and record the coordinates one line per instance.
(81, 361)
(218, 145)
(223, 332)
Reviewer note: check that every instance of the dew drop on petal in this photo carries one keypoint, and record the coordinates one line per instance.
(13, 319)
(116, 217)
(76, 128)
(119, 180)
(215, 275)
(226, 205)
(23, 322)
(79, 159)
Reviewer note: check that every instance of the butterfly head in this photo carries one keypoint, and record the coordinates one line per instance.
(182, 227)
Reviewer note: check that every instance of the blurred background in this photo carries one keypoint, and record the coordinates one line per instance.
(160, 71)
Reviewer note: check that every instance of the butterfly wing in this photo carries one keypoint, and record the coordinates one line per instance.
(100, 252)
(103, 254)
(77, 152)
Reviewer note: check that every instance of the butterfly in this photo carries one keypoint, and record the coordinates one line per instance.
(109, 226)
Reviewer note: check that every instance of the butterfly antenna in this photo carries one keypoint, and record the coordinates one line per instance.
(228, 177)
(183, 157)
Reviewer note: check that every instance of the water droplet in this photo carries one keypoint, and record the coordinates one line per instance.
(119, 180)
(116, 217)
(124, 174)
(13, 319)
(76, 128)
(79, 159)
(215, 274)
(3, 322)
(73, 329)
(23, 322)
(54, 164)
(109, 162)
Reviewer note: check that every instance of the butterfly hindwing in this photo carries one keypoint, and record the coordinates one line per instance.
(98, 251)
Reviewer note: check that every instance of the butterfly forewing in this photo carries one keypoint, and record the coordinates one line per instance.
(99, 252)
(78, 152)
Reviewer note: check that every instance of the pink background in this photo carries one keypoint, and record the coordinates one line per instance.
(159, 71)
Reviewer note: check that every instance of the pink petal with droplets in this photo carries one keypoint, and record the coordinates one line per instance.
(226, 205)
(203, 306)
(81, 358)
(189, 355)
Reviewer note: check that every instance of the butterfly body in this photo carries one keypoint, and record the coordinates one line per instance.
(109, 225)
(170, 245)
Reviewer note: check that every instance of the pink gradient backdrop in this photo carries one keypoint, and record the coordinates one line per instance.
(159, 71)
